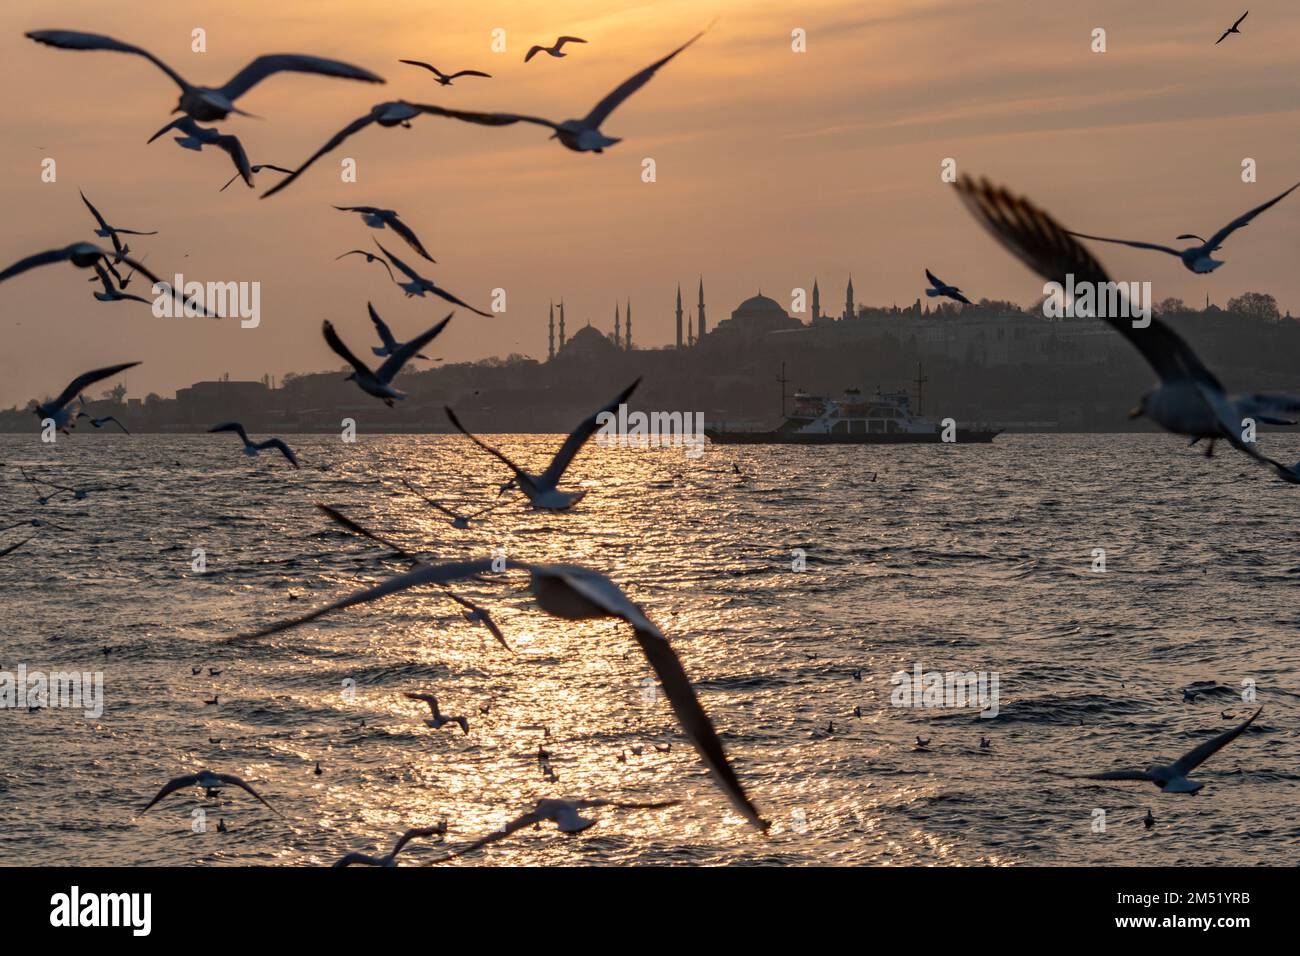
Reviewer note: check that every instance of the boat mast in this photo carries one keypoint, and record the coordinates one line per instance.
(782, 379)
(920, 385)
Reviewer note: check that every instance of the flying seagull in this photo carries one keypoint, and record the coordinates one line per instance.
(391, 344)
(1173, 778)
(444, 79)
(1198, 258)
(1189, 400)
(105, 231)
(565, 813)
(97, 422)
(419, 285)
(209, 781)
(458, 521)
(555, 50)
(86, 255)
(196, 137)
(577, 593)
(210, 103)
(579, 135)
(941, 288)
(1232, 29)
(438, 720)
(250, 449)
(352, 859)
(255, 168)
(542, 490)
(379, 381)
(377, 218)
(60, 411)
(113, 293)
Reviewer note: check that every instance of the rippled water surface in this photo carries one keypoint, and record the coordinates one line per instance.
(971, 558)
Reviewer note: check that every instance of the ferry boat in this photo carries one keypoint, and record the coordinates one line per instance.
(853, 419)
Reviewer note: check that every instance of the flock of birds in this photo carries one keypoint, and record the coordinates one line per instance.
(1188, 400)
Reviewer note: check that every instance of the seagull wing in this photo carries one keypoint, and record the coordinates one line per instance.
(469, 73)
(402, 266)
(352, 859)
(370, 257)
(94, 212)
(1038, 241)
(171, 786)
(482, 119)
(429, 501)
(934, 280)
(573, 444)
(31, 262)
(428, 66)
(961, 298)
(355, 528)
(1130, 242)
(72, 40)
(185, 124)
(109, 288)
(332, 339)
(264, 66)
(1223, 37)
(1240, 18)
(629, 86)
(1229, 418)
(279, 445)
(393, 364)
(1194, 758)
(412, 240)
(238, 155)
(483, 618)
(525, 480)
(416, 833)
(1217, 239)
(385, 333)
(231, 427)
(354, 127)
(110, 418)
(177, 294)
(15, 547)
(527, 820)
(83, 382)
(426, 698)
(232, 779)
(676, 685)
(1122, 775)
(536, 49)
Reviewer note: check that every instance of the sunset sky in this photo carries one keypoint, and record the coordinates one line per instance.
(773, 168)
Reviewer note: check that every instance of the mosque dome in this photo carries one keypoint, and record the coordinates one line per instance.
(760, 308)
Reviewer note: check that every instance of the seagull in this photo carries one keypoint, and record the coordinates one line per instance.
(210, 103)
(458, 521)
(985, 743)
(250, 449)
(318, 771)
(439, 719)
(377, 218)
(351, 859)
(87, 255)
(922, 744)
(579, 135)
(209, 781)
(1189, 399)
(113, 293)
(97, 422)
(419, 285)
(379, 381)
(370, 257)
(1150, 820)
(391, 344)
(577, 593)
(444, 79)
(542, 490)
(1232, 29)
(255, 168)
(196, 137)
(60, 411)
(941, 288)
(565, 813)
(1173, 778)
(111, 233)
(555, 50)
(1199, 258)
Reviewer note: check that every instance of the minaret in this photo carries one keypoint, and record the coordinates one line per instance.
(703, 329)
(690, 328)
(848, 299)
(817, 302)
(561, 323)
(627, 340)
(550, 348)
(618, 329)
(679, 315)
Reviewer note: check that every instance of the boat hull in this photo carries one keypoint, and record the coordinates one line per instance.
(964, 436)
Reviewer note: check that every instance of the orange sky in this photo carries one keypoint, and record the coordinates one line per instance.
(774, 168)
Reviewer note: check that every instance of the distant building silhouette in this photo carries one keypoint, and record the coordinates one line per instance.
(679, 315)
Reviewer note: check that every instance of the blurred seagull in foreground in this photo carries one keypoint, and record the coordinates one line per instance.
(565, 813)
(111, 233)
(576, 593)
(391, 345)
(210, 782)
(1232, 29)
(353, 859)
(1173, 778)
(556, 49)
(458, 521)
(255, 168)
(377, 218)
(251, 449)
(941, 288)
(196, 137)
(378, 382)
(1198, 259)
(542, 490)
(439, 719)
(418, 285)
(60, 410)
(444, 79)
(87, 255)
(1189, 399)
(210, 103)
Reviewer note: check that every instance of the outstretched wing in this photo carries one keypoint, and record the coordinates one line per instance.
(1194, 758)
(412, 240)
(84, 381)
(94, 212)
(1122, 775)
(110, 418)
(428, 66)
(171, 786)
(31, 262)
(934, 281)
(14, 547)
(1217, 239)
(370, 257)
(72, 40)
(527, 820)
(481, 119)
(265, 66)
(469, 73)
(336, 343)
(279, 445)
(402, 266)
(629, 86)
(235, 427)
(354, 127)
(418, 832)
(1129, 242)
(385, 333)
(232, 779)
(525, 480)
(393, 364)
(573, 444)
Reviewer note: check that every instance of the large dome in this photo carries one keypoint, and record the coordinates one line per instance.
(759, 307)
